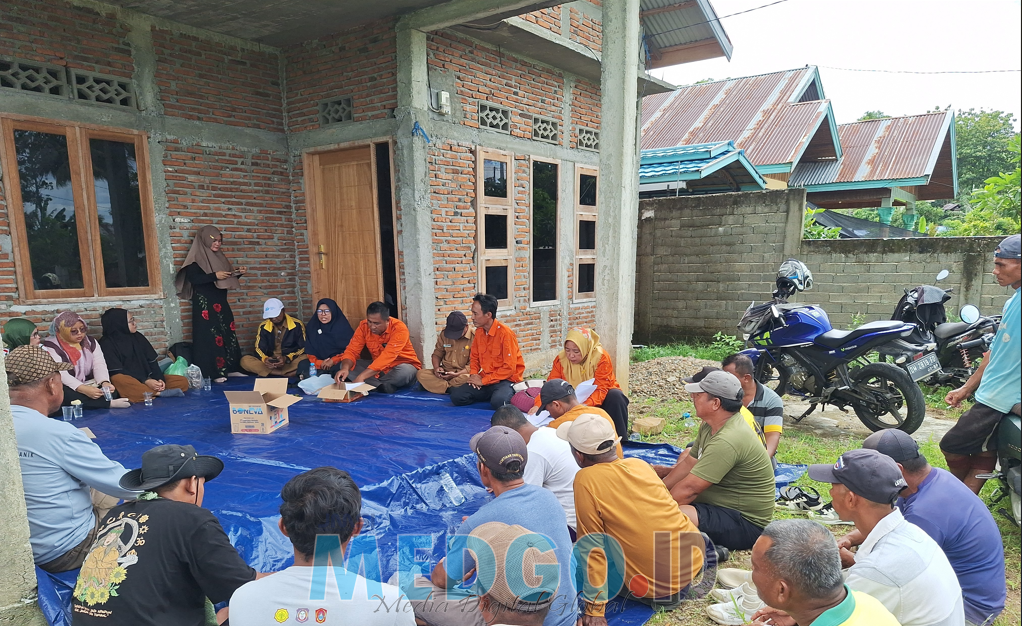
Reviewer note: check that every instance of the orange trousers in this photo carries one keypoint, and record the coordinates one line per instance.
(132, 388)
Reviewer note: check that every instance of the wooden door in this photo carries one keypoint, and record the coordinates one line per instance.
(345, 231)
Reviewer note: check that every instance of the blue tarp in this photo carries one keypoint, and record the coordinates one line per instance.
(400, 449)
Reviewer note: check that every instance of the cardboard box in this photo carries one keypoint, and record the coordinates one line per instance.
(262, 410)
(348, 393)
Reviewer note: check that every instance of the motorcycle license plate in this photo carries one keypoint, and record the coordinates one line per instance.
(923, 367)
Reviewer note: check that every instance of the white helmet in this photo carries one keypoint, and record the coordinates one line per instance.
(795, 273)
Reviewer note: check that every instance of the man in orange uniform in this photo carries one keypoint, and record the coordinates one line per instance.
(496, 362)
(394, 361)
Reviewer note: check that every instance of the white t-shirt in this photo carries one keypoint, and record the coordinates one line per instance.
(552, 467)
(284, 598)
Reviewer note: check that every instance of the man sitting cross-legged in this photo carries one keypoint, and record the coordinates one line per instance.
(724, 482)
(495, 362)
(450, 356)
(766, 407)
(624, 511)
(319, 503)
(387, 338)
(550, 465)
(501, 457)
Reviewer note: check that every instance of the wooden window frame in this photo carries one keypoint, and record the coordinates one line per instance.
(557, 235)
(589, 214)
(488, 205)
(86, 213)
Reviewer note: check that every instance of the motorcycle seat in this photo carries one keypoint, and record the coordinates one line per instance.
(838, 338)
(943, 331)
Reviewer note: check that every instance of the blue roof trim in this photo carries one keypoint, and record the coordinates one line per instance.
(691, 152)
(869, 184)
(774, 168)
(655, 168)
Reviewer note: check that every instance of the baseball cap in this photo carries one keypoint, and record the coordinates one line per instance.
(531, 588)
(272, 308)
(589, 434)
(1010, 248)
(701, 374)
(894, 443)
(867, 473)
(501, 450)
(720, 384)
(165, 464)
(28, 364)
(554, 389)
(456, 323)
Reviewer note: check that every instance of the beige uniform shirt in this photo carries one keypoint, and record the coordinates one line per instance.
(454, 354)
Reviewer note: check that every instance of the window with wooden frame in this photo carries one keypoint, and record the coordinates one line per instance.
(81, 210)
(543, 229)
(586, 183)
(495, 215)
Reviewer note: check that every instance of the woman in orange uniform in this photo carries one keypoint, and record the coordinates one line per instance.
(583, 358)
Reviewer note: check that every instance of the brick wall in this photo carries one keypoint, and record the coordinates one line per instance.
(585, 108)
(701, 260)
(360, 64)
(585, 30)
(549, 19)
(206, 80)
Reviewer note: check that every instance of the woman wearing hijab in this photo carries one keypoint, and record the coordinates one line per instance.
(584, 358)
(326, 338)
(69, 342)
(205, 277)
(20, 331)
(131, 360)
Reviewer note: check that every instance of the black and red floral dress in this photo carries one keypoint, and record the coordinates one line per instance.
(215, 347)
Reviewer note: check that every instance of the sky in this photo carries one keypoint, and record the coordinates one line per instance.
(912, 35)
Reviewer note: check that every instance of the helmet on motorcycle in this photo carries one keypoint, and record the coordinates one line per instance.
(795, 273)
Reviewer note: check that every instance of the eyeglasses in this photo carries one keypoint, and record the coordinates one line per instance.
(322, 311)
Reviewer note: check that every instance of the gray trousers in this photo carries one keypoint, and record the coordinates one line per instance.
(399, 376)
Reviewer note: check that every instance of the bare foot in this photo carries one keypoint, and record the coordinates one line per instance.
(220, 380)
(119, 403)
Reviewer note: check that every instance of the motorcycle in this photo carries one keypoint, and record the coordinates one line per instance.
(960, 345)
(1009, 467)
(795, 346)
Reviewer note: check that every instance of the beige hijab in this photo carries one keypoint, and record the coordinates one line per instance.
(208, 260)
(588, 343)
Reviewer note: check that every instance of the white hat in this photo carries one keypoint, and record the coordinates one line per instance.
(589, 434)
(272, 308)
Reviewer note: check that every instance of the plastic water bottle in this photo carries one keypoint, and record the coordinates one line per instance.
(688, 419)
(312, 369)
(194, 376)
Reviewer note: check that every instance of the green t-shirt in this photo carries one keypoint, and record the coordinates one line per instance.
(736, 462)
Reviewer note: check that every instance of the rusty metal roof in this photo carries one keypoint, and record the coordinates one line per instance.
(767, 115)
(887, 150)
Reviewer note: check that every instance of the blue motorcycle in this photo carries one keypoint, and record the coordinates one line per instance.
(796, 351)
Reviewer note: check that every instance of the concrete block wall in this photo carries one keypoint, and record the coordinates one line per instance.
(701, 260)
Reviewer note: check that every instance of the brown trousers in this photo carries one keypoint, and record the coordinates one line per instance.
(433, 384)
(133, 389)
(73, 558)
(255, 365)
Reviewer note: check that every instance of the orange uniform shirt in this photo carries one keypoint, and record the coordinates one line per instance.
(604, 379)
(390, 349)
(495, 355)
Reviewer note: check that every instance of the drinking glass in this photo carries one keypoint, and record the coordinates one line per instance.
(107, 394)
(148, 397)
(69, 413)
(78, 411)
(207, 383)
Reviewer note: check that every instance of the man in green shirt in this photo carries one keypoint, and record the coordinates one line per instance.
(724, 482)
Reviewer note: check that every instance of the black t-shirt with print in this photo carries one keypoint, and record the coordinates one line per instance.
(154, 563)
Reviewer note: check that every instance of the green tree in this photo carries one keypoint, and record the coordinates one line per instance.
(994, 209)
(812, 230)
(873, 115)
(982, 139)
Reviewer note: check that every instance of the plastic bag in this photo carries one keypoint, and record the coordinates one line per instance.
(194, 374)
(178, 368)
(311, 386)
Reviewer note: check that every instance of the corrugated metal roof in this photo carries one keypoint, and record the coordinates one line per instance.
(668, 24)
(761, 114)
(879, 150)
(699, 162)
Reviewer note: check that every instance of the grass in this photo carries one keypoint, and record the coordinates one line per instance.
(721, 346)
(801, 447)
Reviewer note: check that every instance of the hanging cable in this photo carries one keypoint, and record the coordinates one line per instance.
(849, 69)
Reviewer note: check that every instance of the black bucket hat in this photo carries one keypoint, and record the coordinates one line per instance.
(165, 464)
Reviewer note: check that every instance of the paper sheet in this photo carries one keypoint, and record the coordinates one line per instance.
(88, 432)
(582, 392)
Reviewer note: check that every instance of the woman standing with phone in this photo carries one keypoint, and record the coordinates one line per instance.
(205, 278)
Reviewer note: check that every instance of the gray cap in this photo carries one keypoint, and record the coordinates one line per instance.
(1010, 248)
(867, 473)
(554, 389)
(894, 443)
(500, 449)
(720, 384)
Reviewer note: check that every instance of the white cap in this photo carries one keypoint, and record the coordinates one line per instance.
(589, 433)
(272, 308)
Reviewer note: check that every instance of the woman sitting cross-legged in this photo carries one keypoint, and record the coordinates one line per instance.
(326, 338)
(69, 342)
(132, 362)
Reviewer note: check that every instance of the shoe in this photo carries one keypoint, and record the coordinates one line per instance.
(827, 515)
(798, 499)
(731, 577)
(733, 595)
(737, 612)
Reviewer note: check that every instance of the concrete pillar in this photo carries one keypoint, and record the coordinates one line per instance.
(619, 182)
(414, 218)
(18, 604)
(909, 217)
